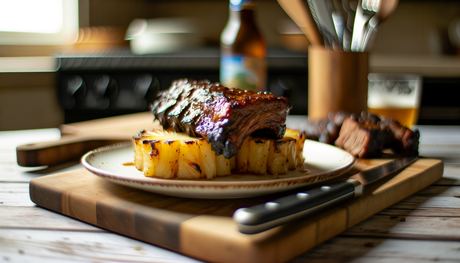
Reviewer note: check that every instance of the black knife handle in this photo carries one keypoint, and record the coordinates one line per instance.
(265, 216)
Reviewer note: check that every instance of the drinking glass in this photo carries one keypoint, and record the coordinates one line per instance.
(395, 95)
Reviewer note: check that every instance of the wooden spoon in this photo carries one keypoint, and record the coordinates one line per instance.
(300, 13)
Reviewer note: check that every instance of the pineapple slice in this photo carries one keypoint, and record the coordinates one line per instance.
(139, 154)
(300, 141)
(258, 155)
(278, 157)
(189, 160)
(169, 155)
(291, 153)
(242, 157)
(223, 166)
(150, 156)
(207, 159)
(174, 155)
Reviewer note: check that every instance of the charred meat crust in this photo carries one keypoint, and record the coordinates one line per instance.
(367, 135)
(224, 116)
(364, 141)
(327, 130)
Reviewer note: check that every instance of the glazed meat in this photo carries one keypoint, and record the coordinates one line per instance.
(223, 116)
(367, 135)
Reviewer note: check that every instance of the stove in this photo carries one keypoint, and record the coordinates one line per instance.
(118, 82)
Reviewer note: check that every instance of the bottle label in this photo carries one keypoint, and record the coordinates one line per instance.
(243, 72)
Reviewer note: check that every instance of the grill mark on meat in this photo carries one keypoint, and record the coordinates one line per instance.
(223, 116)
(169, 98)
(177, 112)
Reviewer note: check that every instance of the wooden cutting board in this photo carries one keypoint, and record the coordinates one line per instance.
(80, 137)
(204, 229)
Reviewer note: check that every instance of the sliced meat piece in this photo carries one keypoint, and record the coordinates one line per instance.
(360, 139)
(368, 135)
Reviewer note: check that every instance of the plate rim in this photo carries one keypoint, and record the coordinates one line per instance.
(160, 182)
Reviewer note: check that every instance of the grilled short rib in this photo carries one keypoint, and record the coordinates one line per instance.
(224, 116)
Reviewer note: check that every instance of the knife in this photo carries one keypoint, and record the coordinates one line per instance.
(258, 218)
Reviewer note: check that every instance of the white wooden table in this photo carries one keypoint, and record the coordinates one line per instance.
(424, 227)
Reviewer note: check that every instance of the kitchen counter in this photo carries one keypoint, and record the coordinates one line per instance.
(421, 227)
(29, 64)
(427, 66)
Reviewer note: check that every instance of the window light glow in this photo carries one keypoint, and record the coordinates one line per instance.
(31, 16)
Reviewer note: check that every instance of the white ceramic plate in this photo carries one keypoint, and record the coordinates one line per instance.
(322, 162)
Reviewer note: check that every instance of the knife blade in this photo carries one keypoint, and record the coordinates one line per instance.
(262, 217)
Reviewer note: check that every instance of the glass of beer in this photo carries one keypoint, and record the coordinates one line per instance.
(395, 95)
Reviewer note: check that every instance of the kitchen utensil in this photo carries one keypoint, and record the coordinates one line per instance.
(265, 216)
(339, 73)
(350, 18)
(301, 15)
(323, 16)
(362, 16)
(383, 10)
(338, 18)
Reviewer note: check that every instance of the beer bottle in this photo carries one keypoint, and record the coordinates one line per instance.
(243, 49)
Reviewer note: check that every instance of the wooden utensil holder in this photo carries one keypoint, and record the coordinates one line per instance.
(337, 81)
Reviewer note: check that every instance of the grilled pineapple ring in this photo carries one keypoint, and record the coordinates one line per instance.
(171, 155)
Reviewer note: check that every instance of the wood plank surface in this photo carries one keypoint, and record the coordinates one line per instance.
(204, 229)
(61, 246)
(350, 249)
(415, 227)
(417, 211)
(26, 245)
(39, 218)
(15, 199)
(428, 202)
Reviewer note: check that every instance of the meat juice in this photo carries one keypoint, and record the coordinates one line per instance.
(243, 49)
